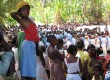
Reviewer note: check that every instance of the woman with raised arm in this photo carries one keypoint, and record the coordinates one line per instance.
(28, 47)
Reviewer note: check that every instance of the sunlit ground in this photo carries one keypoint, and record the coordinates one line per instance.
(94, 26)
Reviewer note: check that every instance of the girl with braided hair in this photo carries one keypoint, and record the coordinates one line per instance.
(73, 64)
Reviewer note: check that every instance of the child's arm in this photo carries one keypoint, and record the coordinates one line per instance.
(60, 57)
(65, 68)
(85, 69)
(40, 54)
(80, 65)
(108, 63)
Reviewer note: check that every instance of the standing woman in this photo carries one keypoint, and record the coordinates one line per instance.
(28, 47)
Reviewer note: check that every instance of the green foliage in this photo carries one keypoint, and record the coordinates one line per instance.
(7, 6)
(59, 11)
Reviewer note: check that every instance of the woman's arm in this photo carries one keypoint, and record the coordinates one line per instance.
(16, 16)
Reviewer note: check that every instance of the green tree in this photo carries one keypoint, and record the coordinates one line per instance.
(59, 11)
